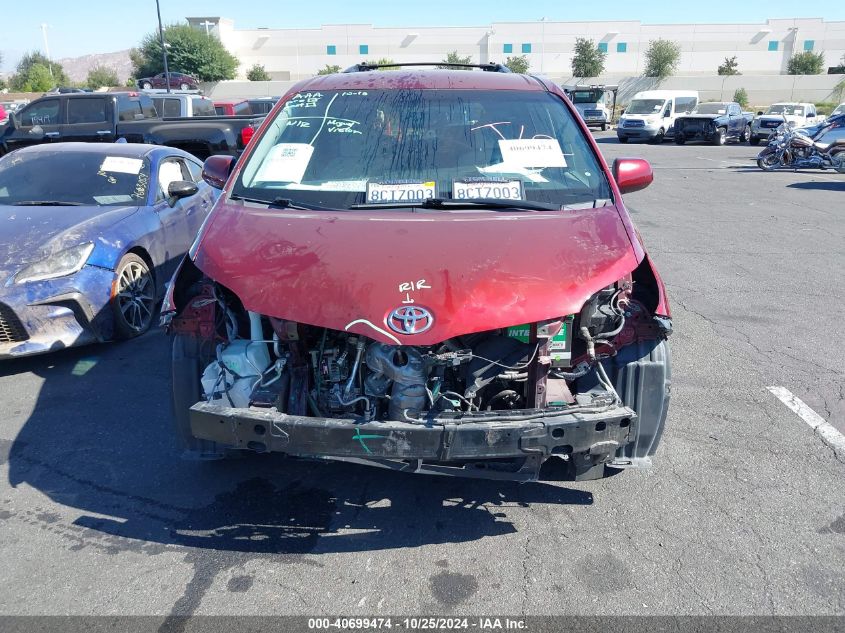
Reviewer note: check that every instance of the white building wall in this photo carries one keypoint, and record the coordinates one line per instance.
(295, 53)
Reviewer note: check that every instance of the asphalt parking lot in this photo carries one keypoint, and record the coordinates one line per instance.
(742, 512)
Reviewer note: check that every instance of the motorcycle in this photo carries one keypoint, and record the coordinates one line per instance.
(796, 150)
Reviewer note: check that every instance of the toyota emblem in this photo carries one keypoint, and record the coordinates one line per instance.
(410, 320)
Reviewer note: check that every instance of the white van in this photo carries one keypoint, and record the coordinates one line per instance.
(651, 114)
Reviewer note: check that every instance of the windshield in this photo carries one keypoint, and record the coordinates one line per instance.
(588, 96)
(645, 106)
(342, 148)
(70, 177)
(839, 110)
(711, 108)
(780, 108)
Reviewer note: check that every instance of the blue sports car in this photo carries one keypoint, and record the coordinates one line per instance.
(89, 235)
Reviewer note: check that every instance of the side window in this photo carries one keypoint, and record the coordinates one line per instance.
(86, 111)
(42, 113)
(196, 171)
(129, 109)
(734, 110)
(203, 107)
(170, 171)
(172, 107)
(243, 108)
(667, 111)
(685, 104)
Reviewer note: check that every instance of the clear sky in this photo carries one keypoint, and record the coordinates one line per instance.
(96, 26)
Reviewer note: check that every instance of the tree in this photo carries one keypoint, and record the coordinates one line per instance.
(102, 76)
(588, 60)
(330, 69)
(454, 58)
(24, 78)
(806, 63)
(730, 67)
(741, 97)
(517, 64)
(189, 51)
(257, 73)
(384, 62)
(662, 58)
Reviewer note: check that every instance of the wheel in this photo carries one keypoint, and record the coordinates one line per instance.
(133, 299)
(753, 140)
(745, 135)
(603, 127)
(184, 86)
(146, 85)
(189, 357)
(720, 137)
(679, 140)
(623, 139)
(769, 162)
(661, 136)
(838, 161)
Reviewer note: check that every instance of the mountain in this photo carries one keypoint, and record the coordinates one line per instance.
(77, 68)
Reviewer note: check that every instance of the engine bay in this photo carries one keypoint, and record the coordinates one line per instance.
(307, 370)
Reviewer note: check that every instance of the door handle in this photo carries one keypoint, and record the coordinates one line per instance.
(103, 132)
(52, 134)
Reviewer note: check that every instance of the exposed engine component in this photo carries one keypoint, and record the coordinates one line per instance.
(308, 370)
(406, 368)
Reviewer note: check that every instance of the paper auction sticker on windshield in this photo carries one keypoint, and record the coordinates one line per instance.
(285, 162)
(474, 188)
(532, 152)
(400, 191)
(122, 165)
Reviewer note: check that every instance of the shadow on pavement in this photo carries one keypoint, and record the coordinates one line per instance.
(99, 441)
(819, 186)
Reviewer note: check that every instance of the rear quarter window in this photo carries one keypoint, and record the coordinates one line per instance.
(243, 108)
(203, 107)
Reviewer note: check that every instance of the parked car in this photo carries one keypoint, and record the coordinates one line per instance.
(14, 106)
(107, 117)
(183, 105)
(178, 80)
(4, 116)
(766, 123)
(262, 105)
(91, 232)
(715, 122)
(651, 114)
(425, 282)
(233, 108)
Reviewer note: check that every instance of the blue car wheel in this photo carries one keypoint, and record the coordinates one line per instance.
(133, 300)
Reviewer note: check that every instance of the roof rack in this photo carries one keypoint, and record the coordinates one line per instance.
(491, 67)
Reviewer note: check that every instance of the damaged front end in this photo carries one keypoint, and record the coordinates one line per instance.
(591, 388)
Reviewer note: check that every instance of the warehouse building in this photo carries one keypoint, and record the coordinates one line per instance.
(763, 48)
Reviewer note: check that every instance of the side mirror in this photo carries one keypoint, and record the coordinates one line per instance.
(179, 189)
(632, 174)
(216, 170)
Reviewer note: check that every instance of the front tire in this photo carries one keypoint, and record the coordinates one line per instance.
(679, 139)
(623, 139)
(146, 85)
(603, 127)
(720, 137)
(133, 299)
(661, 136)
(769, 162)
(753, 140)
(184, 86)
(746, 133)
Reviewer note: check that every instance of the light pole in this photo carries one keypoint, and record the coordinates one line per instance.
(47, 48)
(543, 44)
(163, 48)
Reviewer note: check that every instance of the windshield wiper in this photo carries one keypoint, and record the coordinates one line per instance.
(472, 203)
(47, 203)
(281, 203)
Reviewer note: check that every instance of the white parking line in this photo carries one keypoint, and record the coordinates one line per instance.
(826, 431)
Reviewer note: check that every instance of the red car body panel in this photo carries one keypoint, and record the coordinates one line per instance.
(472, 271)
(485, 270)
